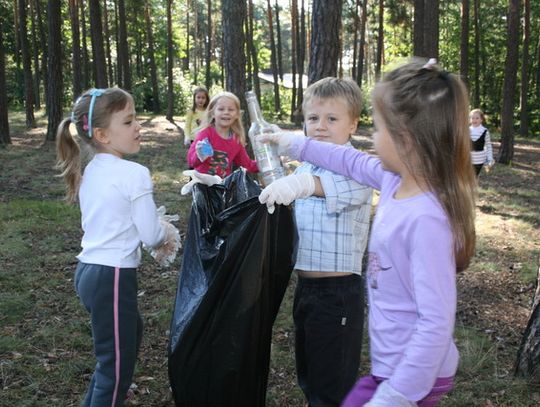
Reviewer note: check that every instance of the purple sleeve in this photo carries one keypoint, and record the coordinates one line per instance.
(361, 167)
(434, 285)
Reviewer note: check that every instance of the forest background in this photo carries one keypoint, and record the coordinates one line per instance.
(51, 51)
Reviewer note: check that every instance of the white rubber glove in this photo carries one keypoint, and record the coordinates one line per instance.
(285, 190)
(386, 396)
(204, 149)
(284, 140)
(199, 178)
(165, 253)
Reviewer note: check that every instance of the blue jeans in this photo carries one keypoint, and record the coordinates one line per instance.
(109, 294)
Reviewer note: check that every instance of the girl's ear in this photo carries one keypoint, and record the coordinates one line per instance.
(101, 135)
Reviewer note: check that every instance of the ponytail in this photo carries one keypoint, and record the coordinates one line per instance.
(68, 159)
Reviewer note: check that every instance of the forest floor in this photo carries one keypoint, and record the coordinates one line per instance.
(46, 356)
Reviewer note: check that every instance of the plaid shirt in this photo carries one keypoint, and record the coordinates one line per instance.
(332, 230)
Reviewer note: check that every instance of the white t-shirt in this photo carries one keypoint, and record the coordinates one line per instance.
(117, 212)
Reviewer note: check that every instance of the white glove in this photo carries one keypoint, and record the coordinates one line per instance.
(386, 396)
(165, 253)
(187, 140)
(199, 178)
(285, 190)
(204, 149)
(284, 140)
(161, 211)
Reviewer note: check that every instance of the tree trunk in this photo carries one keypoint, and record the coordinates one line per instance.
(75, 48)
(506, 153)
(85, 58)
(418, 29)
(170, 90)
(27, 67)
(524, 113)
(355, 37)
(464, 42)
(476, 95)
(431, 28)
(538, 69)
(273, 56)
(35, 55)
(234, 59)
(380, 40)
(4, 120)
(107, 42)
(528, 357)
(122, 37)
(96, 30)
(361, 45)
(185, 61)
(56, 86)
(279, 47)
(253, 52)
(301, 55)
(294, 42)
(153, 71)
(207, 77)
(324, 44)
(44, 51)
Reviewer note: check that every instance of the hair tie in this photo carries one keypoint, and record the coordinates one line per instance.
(94, 93)
(430, 64)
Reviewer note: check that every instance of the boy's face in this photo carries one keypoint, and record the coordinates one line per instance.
(329, 120)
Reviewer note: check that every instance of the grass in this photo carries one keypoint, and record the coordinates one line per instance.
(46, 356)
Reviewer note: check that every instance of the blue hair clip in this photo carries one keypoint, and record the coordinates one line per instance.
(94, 93)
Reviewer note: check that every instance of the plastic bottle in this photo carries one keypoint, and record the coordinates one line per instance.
(268, 161)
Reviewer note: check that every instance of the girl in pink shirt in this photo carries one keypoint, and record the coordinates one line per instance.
(220, 143)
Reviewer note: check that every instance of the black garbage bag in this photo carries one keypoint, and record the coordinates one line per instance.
(236, 266)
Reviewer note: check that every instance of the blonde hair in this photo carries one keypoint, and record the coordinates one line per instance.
(330, 88)
(479, 112)
(425, 110)
(68, 148)
(237, 126)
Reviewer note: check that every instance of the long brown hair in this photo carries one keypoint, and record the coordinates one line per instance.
(200, 89)
(425, 110)
(68, 148)
(237, 127)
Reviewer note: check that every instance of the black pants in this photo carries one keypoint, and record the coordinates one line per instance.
(478, 168)
(328, 317)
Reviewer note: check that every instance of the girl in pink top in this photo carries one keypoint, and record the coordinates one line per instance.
(220, 143)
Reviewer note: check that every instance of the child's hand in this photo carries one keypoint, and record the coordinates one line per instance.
(285, 190)
(187, 140)
(288, 143)
(204, 149)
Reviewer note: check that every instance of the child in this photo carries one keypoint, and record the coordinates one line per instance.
(422, 234)
(220, 143)
(481, 149)
(332, 217)
(117, 212)
(195, 115)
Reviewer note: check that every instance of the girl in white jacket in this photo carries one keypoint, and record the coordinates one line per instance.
(481, 149)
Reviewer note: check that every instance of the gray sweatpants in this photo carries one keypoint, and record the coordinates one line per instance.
(110, 296)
